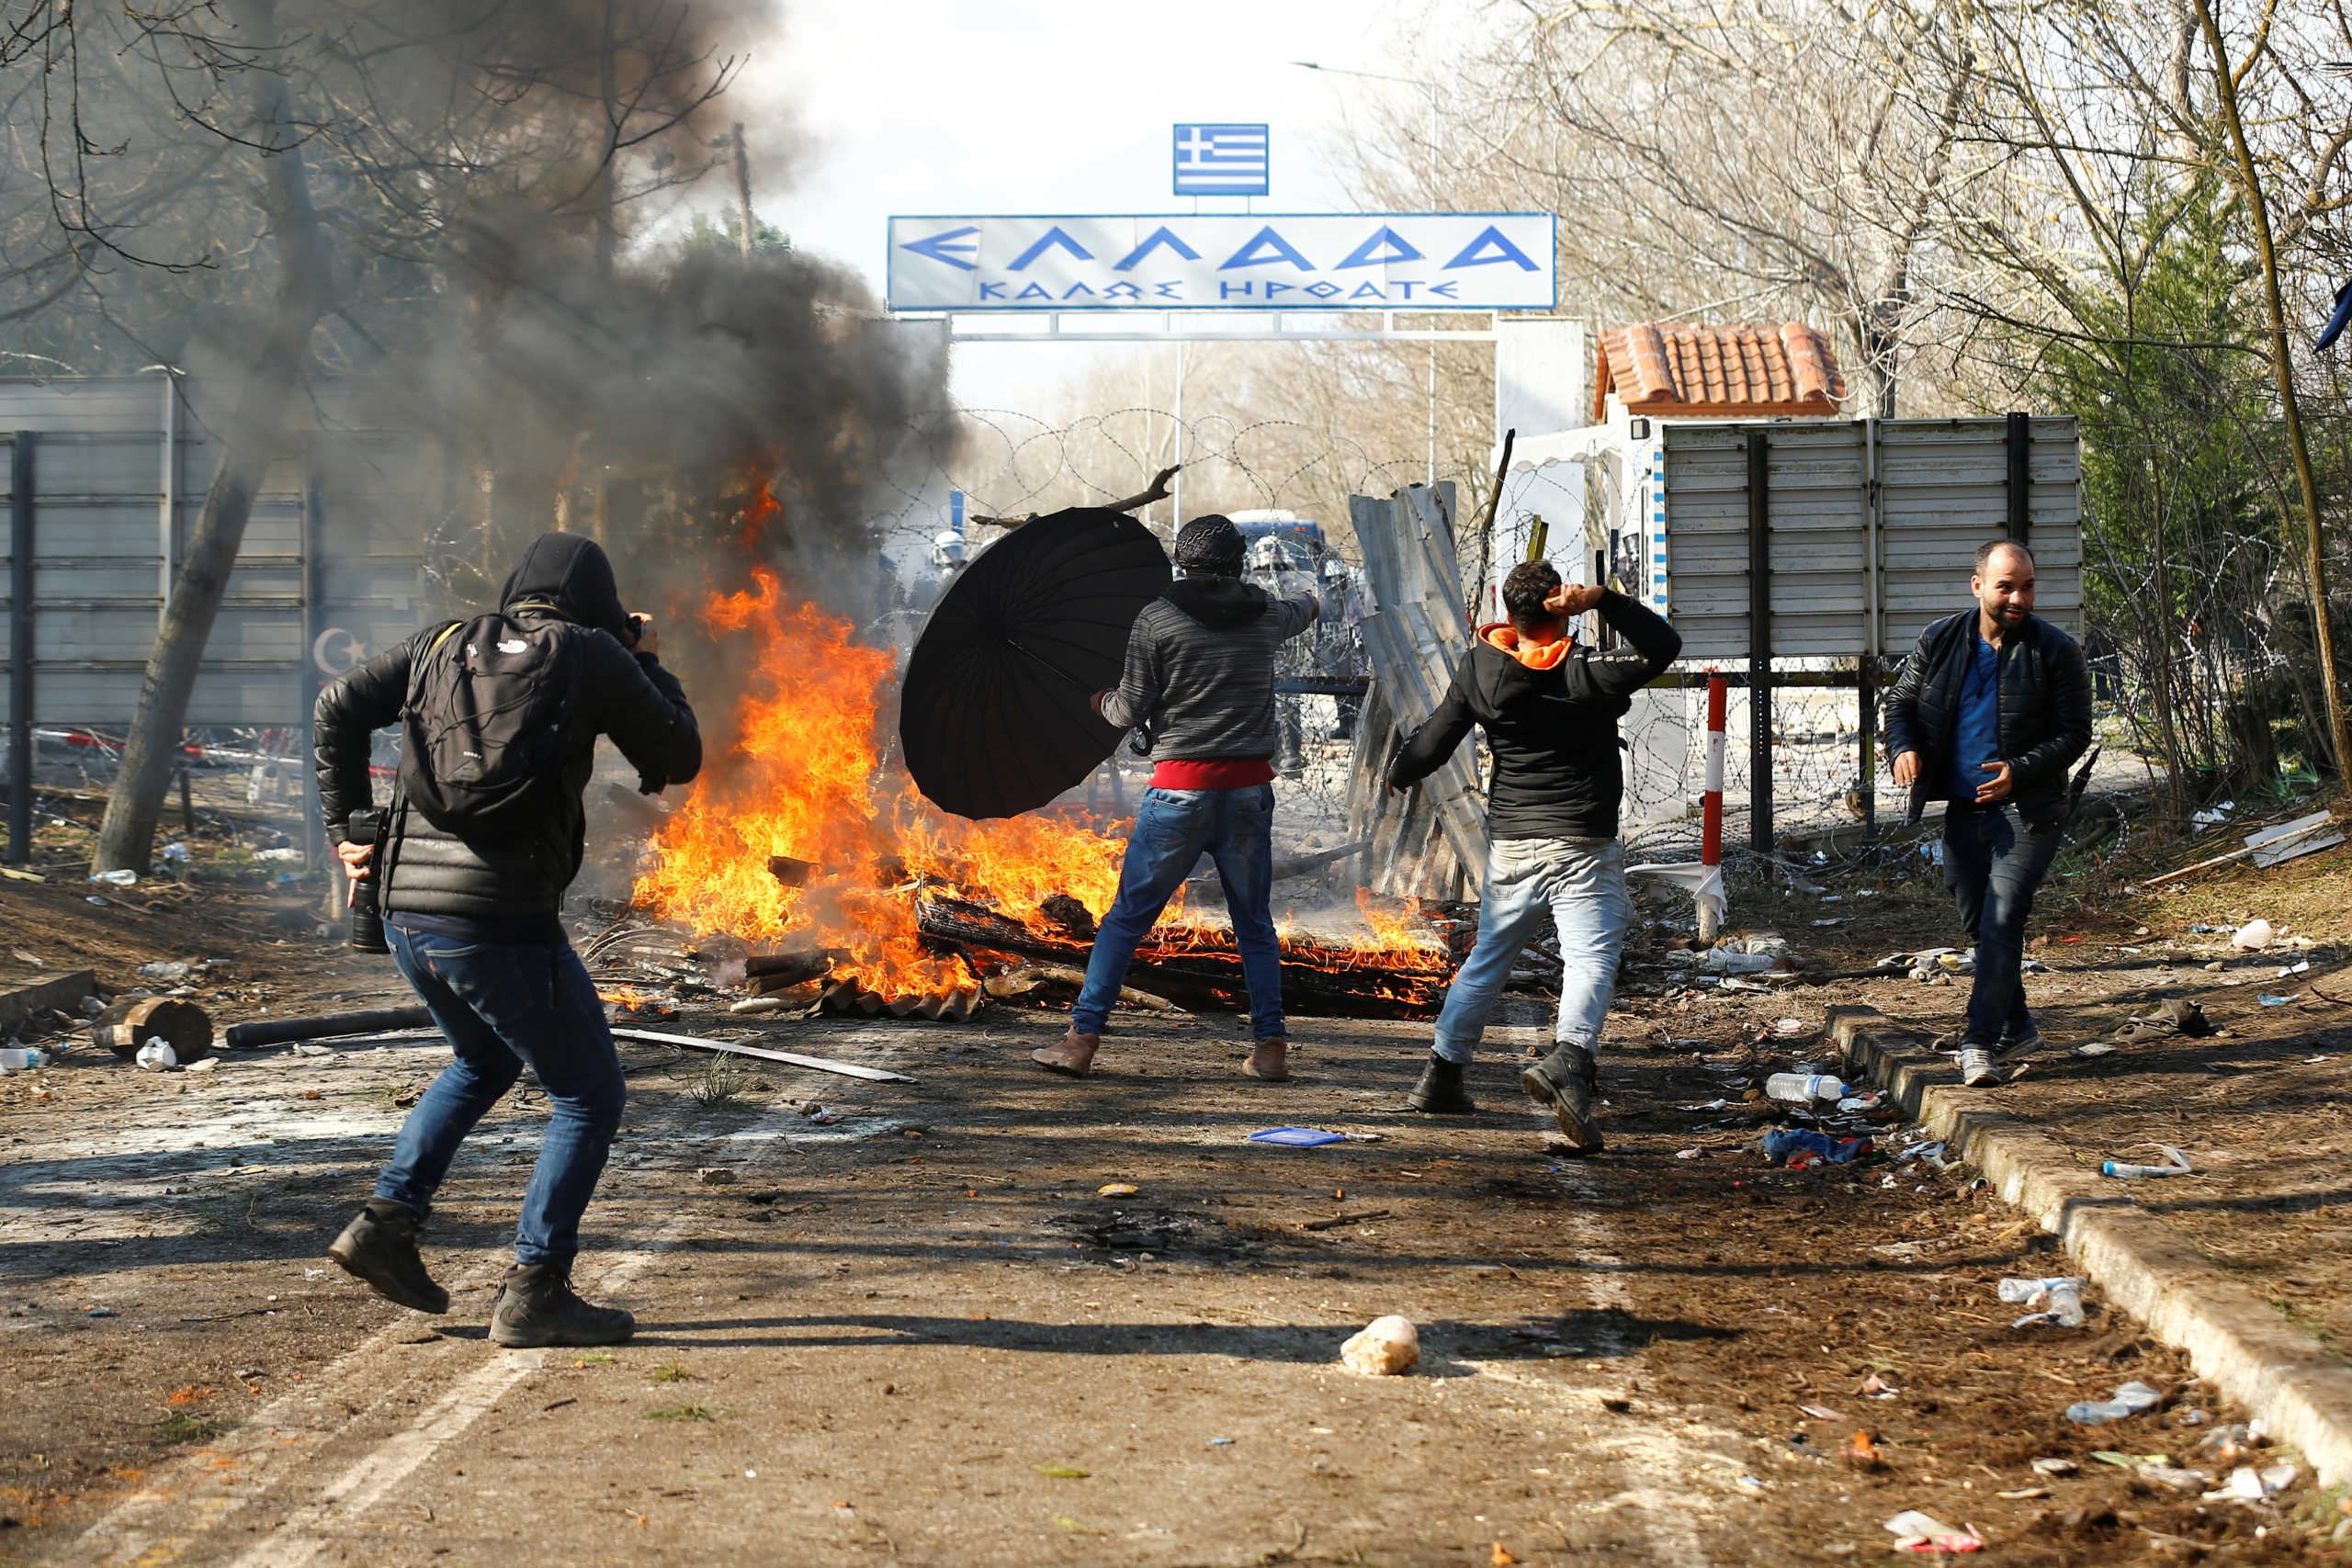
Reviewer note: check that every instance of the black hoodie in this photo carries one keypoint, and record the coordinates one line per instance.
(509, 889)
(1552, 731)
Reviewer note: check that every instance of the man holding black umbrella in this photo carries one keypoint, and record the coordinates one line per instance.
(1199, 681)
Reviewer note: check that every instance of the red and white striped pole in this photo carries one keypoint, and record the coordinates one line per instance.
(1711, 841)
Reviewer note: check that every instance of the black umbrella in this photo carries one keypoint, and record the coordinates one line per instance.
(997, 716)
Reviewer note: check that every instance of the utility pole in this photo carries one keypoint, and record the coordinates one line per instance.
(743, 187)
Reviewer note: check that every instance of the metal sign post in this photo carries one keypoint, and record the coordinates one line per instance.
(21, 649)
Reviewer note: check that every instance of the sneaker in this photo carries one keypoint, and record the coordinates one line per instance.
(1977, 1069)
(2016, 1048)
(1565, 1081)
(535, 1306)
(379, 1246)
(1440, 1092)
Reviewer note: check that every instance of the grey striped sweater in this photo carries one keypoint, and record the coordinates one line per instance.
(1200, 671)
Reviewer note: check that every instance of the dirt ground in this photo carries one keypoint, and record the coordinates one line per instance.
(924, 1334)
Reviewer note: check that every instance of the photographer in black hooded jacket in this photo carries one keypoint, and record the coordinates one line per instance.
(472, 924)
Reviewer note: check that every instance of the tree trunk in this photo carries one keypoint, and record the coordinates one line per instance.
(2283, 371)
(255, 437)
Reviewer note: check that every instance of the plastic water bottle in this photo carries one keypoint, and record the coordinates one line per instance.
(1803, 1088)
(22, 1058)
(2059, 1299)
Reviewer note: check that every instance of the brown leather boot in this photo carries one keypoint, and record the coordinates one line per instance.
(1072, 1058)
(1269, 1060)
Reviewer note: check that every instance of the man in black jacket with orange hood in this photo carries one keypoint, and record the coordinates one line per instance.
(471, 919)
(1550, 709)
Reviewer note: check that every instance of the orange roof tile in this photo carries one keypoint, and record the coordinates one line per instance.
(1703, 370)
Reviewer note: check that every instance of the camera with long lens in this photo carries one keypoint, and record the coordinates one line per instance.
(367, 914)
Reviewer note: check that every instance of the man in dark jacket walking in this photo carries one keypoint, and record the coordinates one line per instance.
(1550, 709)
(1988, 713)
(471, 921)
(1200, 681)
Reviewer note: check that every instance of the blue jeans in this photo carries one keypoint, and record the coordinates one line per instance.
(1992, 861)
(1237, 828)
(1581, 883)
(503, 1007)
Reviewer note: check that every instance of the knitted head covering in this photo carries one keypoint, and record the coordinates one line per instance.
(1212, 544)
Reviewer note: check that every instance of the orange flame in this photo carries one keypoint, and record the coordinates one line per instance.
(805, 778)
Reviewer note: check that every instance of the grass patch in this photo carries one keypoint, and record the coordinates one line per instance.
(674, 1373)
(1064, 1471)
(719, 1086)
(686, 1413)
(186, 1427)
(595, 1359)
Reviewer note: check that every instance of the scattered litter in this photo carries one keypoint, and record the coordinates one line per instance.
(1877, 1387)
(282, 855)
(2177, 1164)
(1335, 1220)
(2092, 1048)
(1839, 921)
(1861, 1453)
(2213, 815)
(124, 878)
(2178, 1017)
(157, 1056)
(1220, 1442)
(1751, 1483)
(175, 854)
(1821, 1413)
(101, 1312)
(1790, 1028)
(2276, 1001)
(1916, 1531)
(1786, 1143)
(208, 1065)
(2252, 936)
(2057, 1299)
(2056, 1466)
(2303, 967)
(1690, 1153)
(1298, 1137)
(2291, 841)
(1803, 1089)
(1384, 1348)
(172, 969)
(1115, 1189)
(715, 1176)
(2134, 1398)
(2022, 1492)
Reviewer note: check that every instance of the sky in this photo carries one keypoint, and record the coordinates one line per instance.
(1042, 106)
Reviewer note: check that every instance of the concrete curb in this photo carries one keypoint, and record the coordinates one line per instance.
(64, 991)
(2236, 1340)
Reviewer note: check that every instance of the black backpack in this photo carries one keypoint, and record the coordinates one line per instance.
(486, 722)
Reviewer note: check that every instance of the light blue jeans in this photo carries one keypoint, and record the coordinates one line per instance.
(1580, 883)
(1237, 828)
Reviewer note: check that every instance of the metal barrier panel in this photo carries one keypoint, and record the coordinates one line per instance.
(329, 569)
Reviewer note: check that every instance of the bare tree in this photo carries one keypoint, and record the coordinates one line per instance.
(323, 142)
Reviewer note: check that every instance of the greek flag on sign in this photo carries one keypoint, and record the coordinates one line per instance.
(1221, 159)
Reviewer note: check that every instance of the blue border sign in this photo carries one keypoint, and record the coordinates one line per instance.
(1416, 261)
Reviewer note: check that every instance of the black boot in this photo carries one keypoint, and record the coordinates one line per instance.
(380, 1247)
(535, 1306)
(1440, 1092)
(1565, 1080)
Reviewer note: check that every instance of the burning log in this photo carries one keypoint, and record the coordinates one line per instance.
(789, 871)
(1070, 914)
(767, 973)
(1317, 982)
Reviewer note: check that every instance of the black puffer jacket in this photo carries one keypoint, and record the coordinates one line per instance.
(562, 577)
(1553, 732)
(2044, 699)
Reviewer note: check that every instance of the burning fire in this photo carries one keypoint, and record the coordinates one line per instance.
(806, 779)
